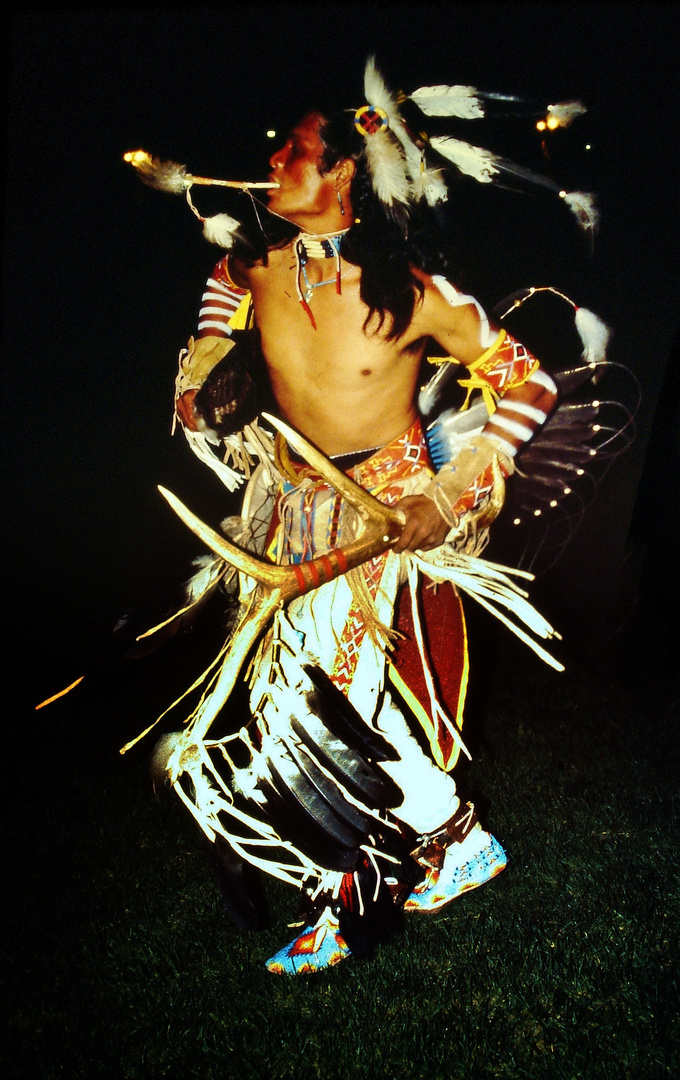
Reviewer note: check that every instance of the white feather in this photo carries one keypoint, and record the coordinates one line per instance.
(430, 185)
(163, 175)
(391, 154)
(220, 230)
(387, 167)
(582, 206)
(472, 160)
(376, 91)
(594, 334)
(566, 111)
(461, 101)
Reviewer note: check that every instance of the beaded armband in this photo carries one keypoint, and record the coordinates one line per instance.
(504, 366)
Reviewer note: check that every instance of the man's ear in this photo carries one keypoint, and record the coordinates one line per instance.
(344, 172)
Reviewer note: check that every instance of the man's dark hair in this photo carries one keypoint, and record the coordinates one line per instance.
(384, 244)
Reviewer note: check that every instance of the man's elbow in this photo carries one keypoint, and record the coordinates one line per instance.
(545, 392)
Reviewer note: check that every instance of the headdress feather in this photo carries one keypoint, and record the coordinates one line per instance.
(474, 161)
(582, 206)
(461, 101)
(418, 181)
(386, 155)
(566, 111)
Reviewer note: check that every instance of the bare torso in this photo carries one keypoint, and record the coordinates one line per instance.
(341, 382)
(344, 388)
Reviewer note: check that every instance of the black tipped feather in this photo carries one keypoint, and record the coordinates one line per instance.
(346, 811)
(291, 820)
(288, 778)
(342, 719)
(363, 781)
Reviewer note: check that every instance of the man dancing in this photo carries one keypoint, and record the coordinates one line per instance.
(345, 311)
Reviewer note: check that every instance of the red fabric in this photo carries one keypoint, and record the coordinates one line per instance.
(443, 628)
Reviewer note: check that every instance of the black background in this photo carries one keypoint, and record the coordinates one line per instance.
(102, 276)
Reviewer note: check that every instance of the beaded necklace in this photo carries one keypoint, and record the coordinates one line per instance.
(309, 246)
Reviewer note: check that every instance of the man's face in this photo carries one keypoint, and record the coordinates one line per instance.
(302, 189)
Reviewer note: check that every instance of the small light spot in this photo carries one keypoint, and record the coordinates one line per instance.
(579, 472)
(537, 513)
(597, 427)
(553, 502)
(517, 521)
(567, 491)
(271, 134)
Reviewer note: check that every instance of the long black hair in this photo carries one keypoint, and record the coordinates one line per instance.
(385, 244)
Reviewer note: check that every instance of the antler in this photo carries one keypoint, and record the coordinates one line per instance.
(277, 585)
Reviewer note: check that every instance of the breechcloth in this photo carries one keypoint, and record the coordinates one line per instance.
(345, 625)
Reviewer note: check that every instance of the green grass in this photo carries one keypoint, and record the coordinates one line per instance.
(122, 963)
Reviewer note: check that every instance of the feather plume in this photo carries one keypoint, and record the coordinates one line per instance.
(377, 92)
(472, 160)
(385, 151)
(582, 206)
(429, 184)
(460, 101)
(221, 230)
(594, 334)
(162, 175)
(424, 183)
(566, 111)
(386, 163)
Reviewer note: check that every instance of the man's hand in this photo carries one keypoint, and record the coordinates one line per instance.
(185, 410)
(425, 528)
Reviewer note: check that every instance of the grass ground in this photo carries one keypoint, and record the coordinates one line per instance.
(122, 963)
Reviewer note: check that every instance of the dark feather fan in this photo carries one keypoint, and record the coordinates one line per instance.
(558, 472)
(237, 389)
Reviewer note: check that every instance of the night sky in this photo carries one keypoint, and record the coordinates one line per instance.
(102, 276)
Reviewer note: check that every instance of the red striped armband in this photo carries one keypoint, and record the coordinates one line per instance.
(220, 302)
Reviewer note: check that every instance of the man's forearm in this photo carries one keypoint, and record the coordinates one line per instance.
(521, 396)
